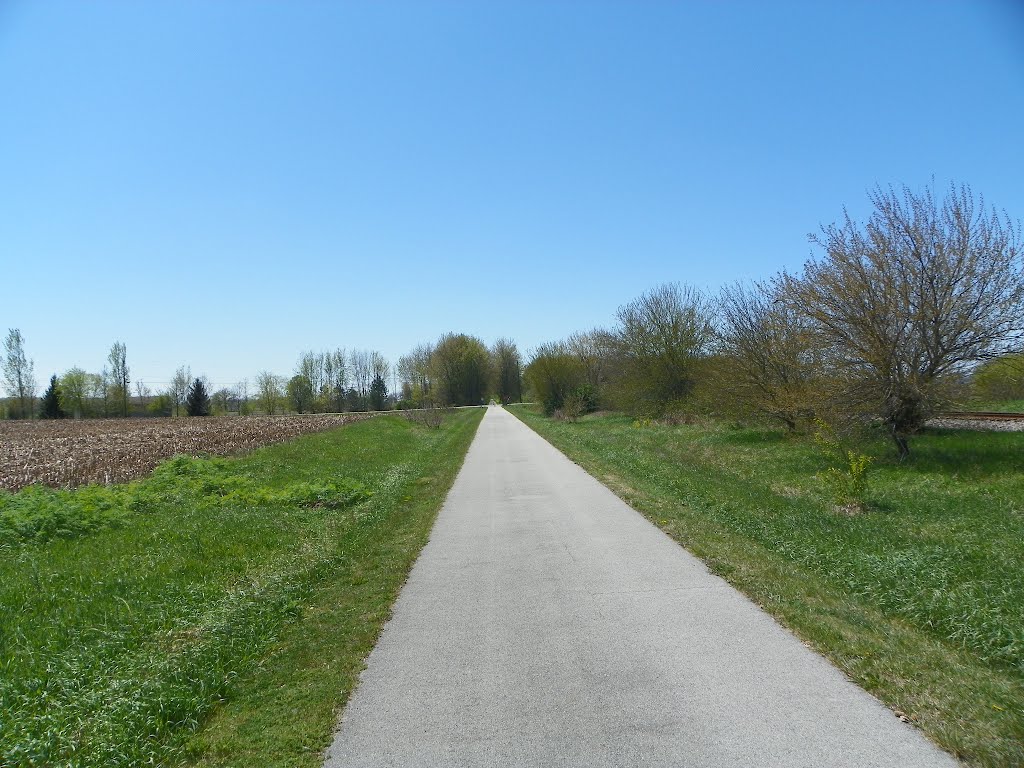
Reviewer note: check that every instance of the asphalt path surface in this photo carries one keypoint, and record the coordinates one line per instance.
(546, 623)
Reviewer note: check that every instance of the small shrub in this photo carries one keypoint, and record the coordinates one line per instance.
(428, 416)
(573, 407)
(846, 483)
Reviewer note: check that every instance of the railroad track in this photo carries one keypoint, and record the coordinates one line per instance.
(981, 415)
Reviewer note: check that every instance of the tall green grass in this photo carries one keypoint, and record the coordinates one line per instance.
(131, 615)
(919, 596)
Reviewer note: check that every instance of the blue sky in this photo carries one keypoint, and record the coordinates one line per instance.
(225, 184)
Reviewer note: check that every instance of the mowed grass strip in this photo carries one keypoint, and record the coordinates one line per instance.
(225, 619)
(919, 598)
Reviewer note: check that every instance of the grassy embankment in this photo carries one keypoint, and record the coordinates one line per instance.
(217, 613)
(919, 598)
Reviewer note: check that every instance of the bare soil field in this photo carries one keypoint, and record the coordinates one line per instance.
(66, 454)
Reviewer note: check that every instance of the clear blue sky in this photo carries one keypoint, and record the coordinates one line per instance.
(224, 184)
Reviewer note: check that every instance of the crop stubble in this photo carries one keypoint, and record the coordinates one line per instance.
(67, 454)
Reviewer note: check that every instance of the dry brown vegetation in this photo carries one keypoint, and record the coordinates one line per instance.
(67, 454)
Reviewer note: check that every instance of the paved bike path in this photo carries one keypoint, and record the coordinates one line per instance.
(546, 623)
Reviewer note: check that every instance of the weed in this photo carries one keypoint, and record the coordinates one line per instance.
(847, 483)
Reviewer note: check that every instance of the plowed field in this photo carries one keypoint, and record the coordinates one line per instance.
(67, 454)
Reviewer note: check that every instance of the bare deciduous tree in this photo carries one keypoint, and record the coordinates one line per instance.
(768, 355)
(905, 303)
(661, 336)
(180, 384)
(414, 371)
(598, 352)
(118, 360)
(379, 366)
(220, 401)
(336, 374)
(312, 368)
(19, 373)
(361, 368)
(242, 392)
(101, 389)
(144, 394)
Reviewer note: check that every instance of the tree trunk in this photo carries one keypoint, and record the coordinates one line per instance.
(902, 445)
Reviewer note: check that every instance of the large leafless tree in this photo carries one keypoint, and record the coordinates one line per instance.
(906, 302)
(361, 370)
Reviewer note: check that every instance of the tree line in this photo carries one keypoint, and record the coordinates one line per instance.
(77, 393)
(457, 370)
(894, 319)
(891, 322)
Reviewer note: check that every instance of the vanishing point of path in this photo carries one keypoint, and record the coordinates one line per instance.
(548, 624)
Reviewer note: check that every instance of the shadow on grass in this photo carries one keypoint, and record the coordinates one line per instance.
(965, 453)
(755, 436)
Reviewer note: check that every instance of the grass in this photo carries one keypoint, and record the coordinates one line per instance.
(919, 597)
(219, 612)
(1000, 406)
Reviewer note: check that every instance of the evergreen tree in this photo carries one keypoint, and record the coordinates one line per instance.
(51, 402)
(197, 403)
(378, 393)
(353, 402)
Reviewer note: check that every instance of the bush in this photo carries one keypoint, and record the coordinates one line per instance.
(553, 375)
(573, 407)
(430, 416)
(581, 401)
(846, 483)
